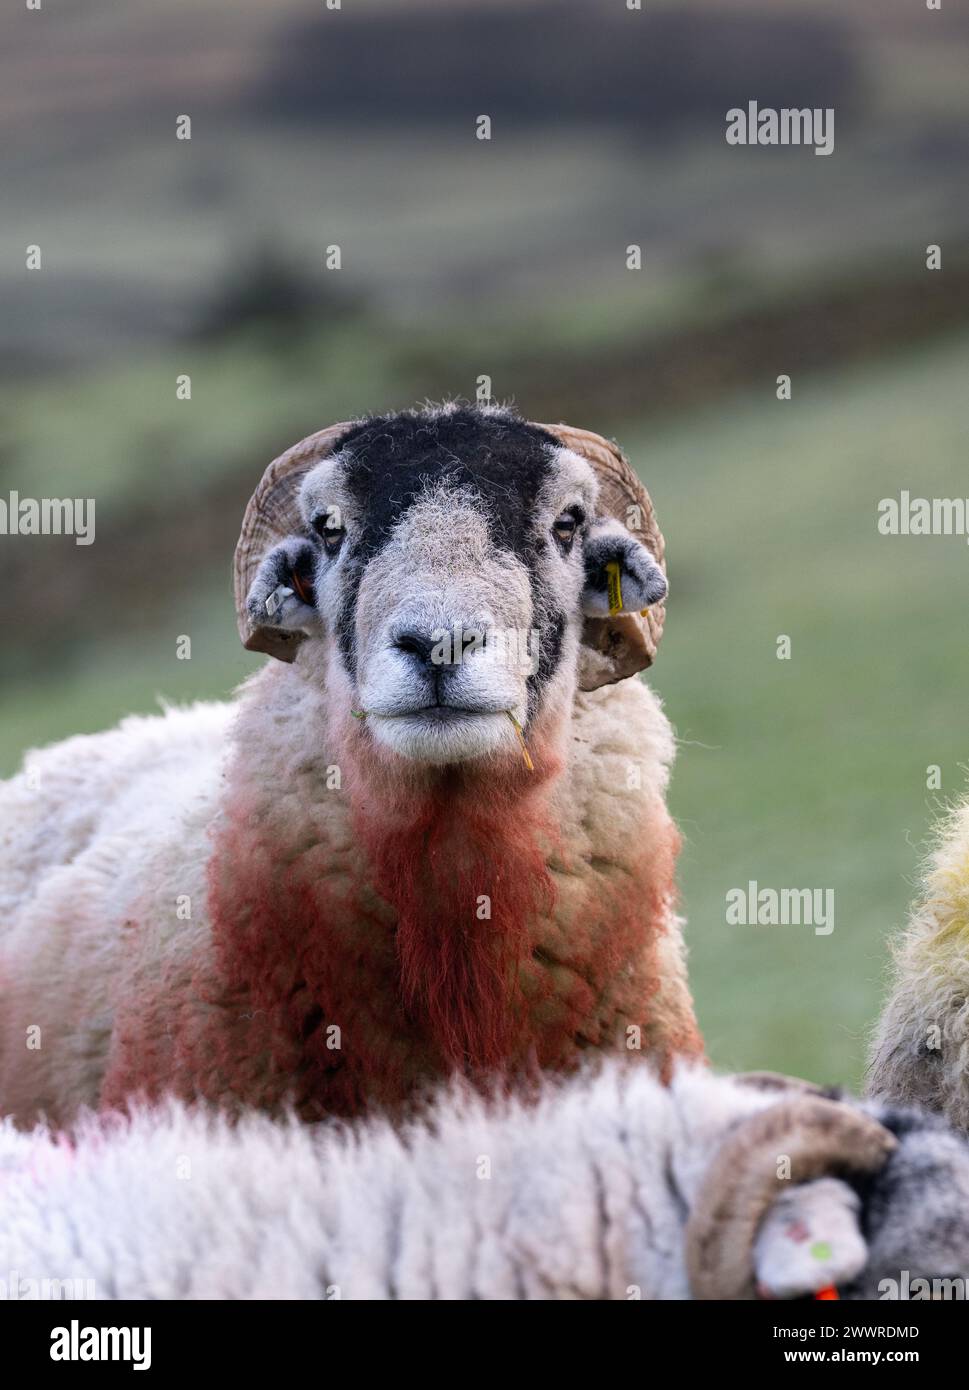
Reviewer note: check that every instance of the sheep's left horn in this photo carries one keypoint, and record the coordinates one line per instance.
(620, 646)
(817, 1137)
(272, 515)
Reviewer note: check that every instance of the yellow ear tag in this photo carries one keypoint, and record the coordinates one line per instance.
(615, 588)
(521, 739)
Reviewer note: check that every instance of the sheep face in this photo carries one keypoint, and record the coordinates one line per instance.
(448, 561)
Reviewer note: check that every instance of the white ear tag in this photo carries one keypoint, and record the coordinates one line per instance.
(275, 600)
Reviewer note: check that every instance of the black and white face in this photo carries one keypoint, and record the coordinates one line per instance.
(453, 557)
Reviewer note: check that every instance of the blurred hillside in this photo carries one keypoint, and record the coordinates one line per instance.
(508, 259)
(355, 126)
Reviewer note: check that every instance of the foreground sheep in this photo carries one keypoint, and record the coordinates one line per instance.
(921, 1048)
(393, 857)
(611, 1186)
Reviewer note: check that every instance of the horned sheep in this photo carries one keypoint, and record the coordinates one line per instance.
(407, 848)
(606, 1186)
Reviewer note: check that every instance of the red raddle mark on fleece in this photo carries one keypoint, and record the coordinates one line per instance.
(395, 954)
(465, 872)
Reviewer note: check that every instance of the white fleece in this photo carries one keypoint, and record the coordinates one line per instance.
(96, 833)
(105, 843)
(582, 1195)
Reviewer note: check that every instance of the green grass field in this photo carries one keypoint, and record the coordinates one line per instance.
(809, 772)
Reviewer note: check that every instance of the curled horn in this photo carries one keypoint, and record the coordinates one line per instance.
(272, 515)
(616, 647)
(612, 649)
(820, 1138)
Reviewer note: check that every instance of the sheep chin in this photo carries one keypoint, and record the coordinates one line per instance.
(440, 735)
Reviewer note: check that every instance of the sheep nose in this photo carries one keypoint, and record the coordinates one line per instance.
(417, 645)
(440, 649)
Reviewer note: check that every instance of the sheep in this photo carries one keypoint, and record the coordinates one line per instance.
(386, 860)
(605, 1186)
(920, 1051)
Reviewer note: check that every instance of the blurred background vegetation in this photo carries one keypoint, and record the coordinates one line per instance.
(460, 258)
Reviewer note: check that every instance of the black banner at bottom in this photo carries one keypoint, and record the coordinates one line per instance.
(166, 1339)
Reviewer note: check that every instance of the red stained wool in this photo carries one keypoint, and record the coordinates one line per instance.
(447, 944)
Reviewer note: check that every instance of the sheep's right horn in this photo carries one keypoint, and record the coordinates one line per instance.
(272, 515)
(817, 1137)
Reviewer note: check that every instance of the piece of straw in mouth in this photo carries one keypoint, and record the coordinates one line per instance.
(521, 739)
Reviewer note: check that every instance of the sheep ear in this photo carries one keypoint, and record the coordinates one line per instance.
(621, 576)
(617, 647)
(281, 596)
(810, 1240)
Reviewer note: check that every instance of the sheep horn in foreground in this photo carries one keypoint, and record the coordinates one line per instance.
(920, 1053)
(609, 1186)
(817, 1137)
(431, 837)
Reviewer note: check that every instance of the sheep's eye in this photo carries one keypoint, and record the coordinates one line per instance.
(564, 529)
(331, 535)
